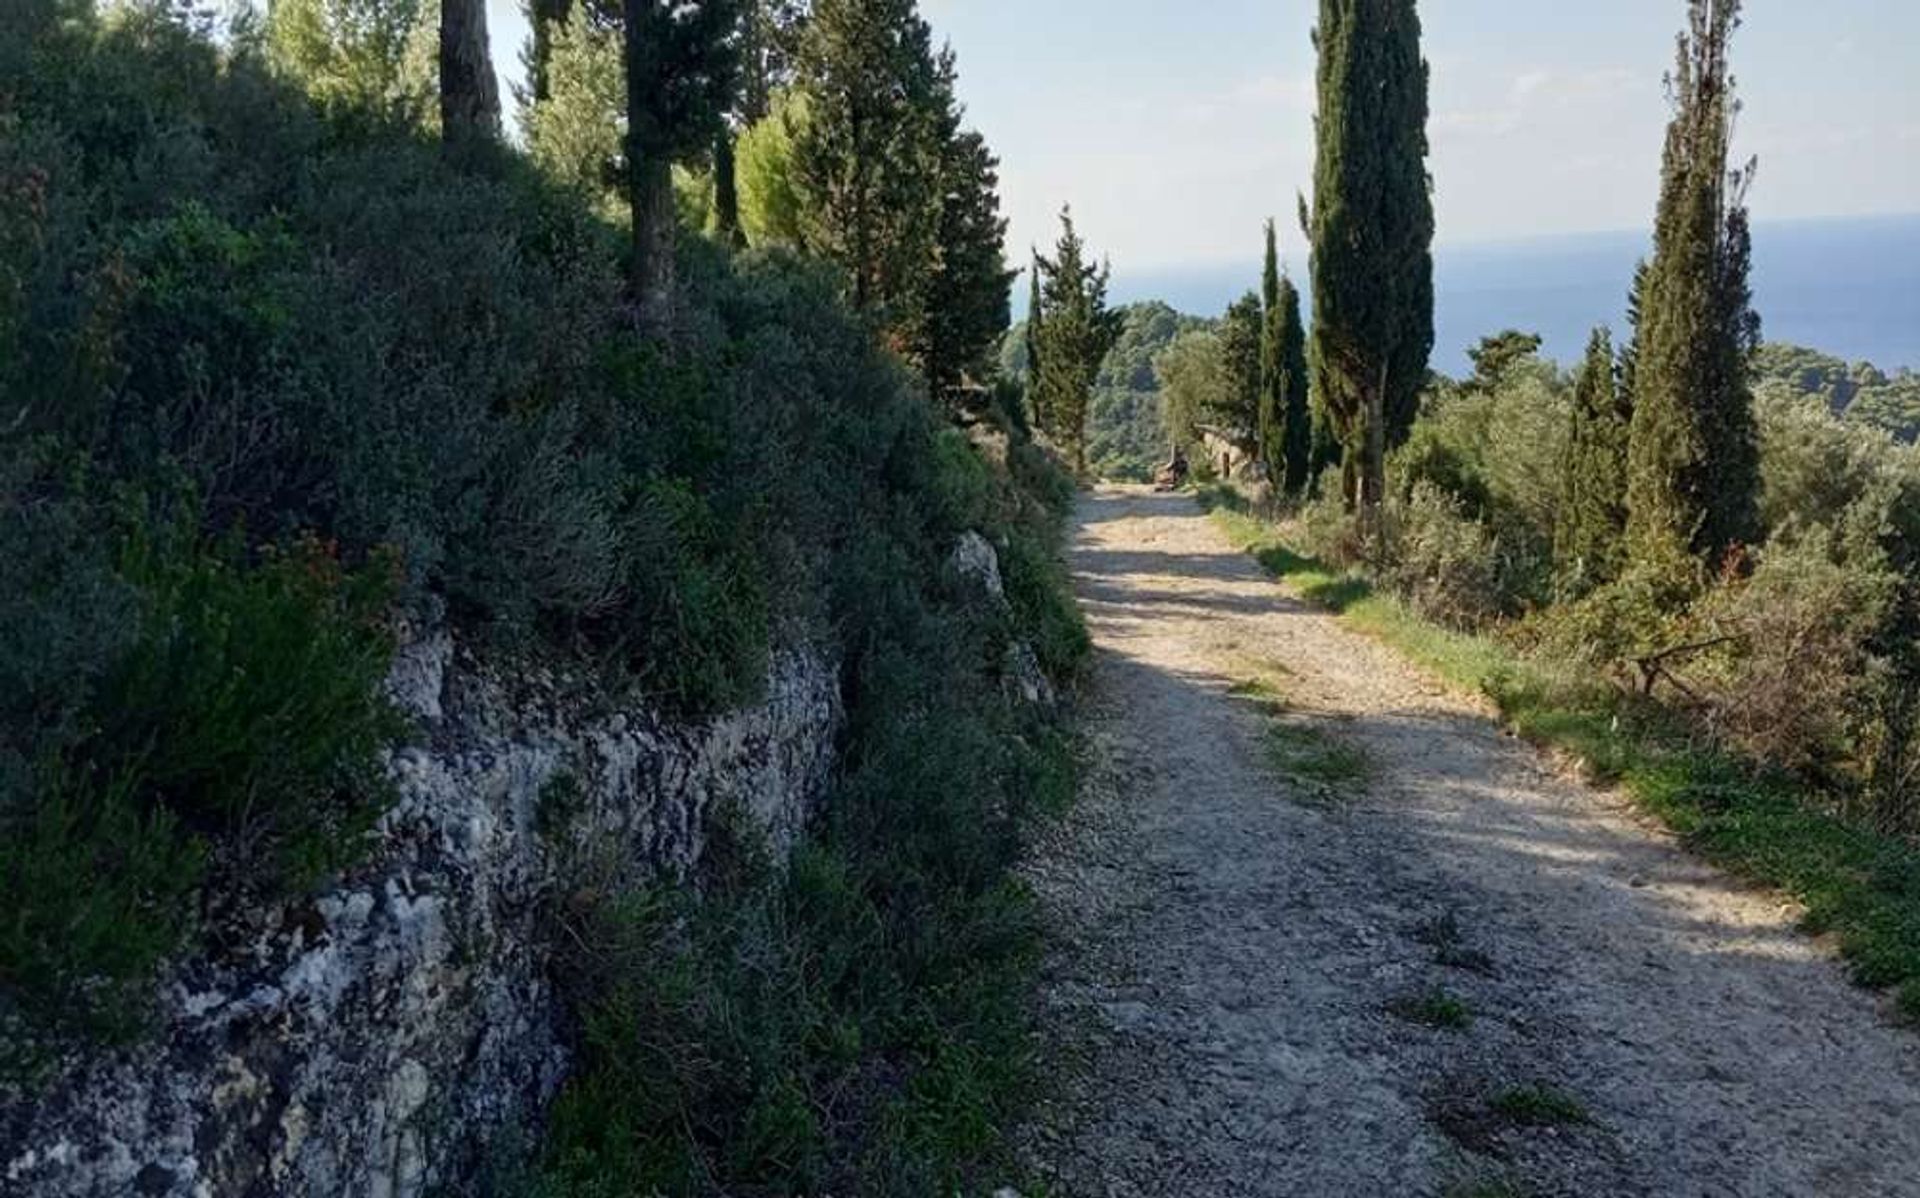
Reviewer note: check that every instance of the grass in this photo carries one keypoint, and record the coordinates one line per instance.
(1434, 1008)
(1539, 1106)
(1498, 1187)
(1261, 693)
(1859, 886)
(1315, 760)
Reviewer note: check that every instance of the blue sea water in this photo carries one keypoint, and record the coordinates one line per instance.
(1849, 287)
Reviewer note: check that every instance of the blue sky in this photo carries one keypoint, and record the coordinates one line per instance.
(1175, 128)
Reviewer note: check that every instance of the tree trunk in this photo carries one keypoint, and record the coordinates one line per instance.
(469, 94)
(651, 195)
(1373, 472)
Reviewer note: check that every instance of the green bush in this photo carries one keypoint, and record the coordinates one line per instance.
(205, 714)
(856, 1024)
(1445, 564)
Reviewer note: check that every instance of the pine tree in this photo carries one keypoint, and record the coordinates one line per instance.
(681, 68)
(1273, 411)
(1693, 463)
(1496, 357)
(1591, 523)
(1072, 337)
(1371, 228)
(868, 160)
(1297, 414)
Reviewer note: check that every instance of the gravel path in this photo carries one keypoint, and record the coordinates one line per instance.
(1240, 948)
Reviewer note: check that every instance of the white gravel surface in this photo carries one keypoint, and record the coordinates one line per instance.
(1229, 942)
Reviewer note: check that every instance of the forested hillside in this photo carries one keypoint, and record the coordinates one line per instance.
(296, 369)
(1859, 392)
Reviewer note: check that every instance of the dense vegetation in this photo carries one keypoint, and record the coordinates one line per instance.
(1126, 432)
(282, 374)
(1371, 228)
(1858, 392)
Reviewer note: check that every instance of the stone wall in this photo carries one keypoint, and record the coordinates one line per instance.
(398, 1034)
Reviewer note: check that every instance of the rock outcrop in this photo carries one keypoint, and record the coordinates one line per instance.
(400, 1034)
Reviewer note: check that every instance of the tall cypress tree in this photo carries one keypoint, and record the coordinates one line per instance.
(966, 300)
(1242, 346)
(1371, 228)
(726, 192)
(769, 44)
(1036, 334)
(469, 93)
(1592, 520)
(682, 66)
(1072, 339)
(1297, 415)
(868, 159)
(1693, 462)
(1273, 413)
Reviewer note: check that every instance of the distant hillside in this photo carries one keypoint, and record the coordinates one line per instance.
(1124, 436)
(1859, 391)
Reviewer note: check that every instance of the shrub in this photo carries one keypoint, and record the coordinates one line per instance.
(1445, 564)
(1791, 683)
(201, 715)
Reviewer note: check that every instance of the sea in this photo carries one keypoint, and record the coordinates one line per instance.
(1847, 287)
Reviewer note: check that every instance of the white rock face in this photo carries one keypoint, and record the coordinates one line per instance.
(395, 1035)
(974, 558)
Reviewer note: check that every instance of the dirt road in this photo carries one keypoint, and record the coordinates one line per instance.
(1321, 929)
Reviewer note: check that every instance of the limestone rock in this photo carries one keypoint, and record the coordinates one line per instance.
(389, 1036)
(974, 559)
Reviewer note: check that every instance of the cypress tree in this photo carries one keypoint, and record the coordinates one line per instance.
(1693, 461)
(1036, 333)
(1242, 345)
(1073, 339)
(1630, 353)
(726, 192)
(1591, 522)
(469, 93)
(868, 159)
(681, 66)
(1371, 228)
(1273, 412)
(1297, 416)
(769, 44)
(968, 304)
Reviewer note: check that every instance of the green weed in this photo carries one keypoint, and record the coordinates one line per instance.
(1314, 759)
(1261, 694)
(1539, 1106)
(1434, 1008)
